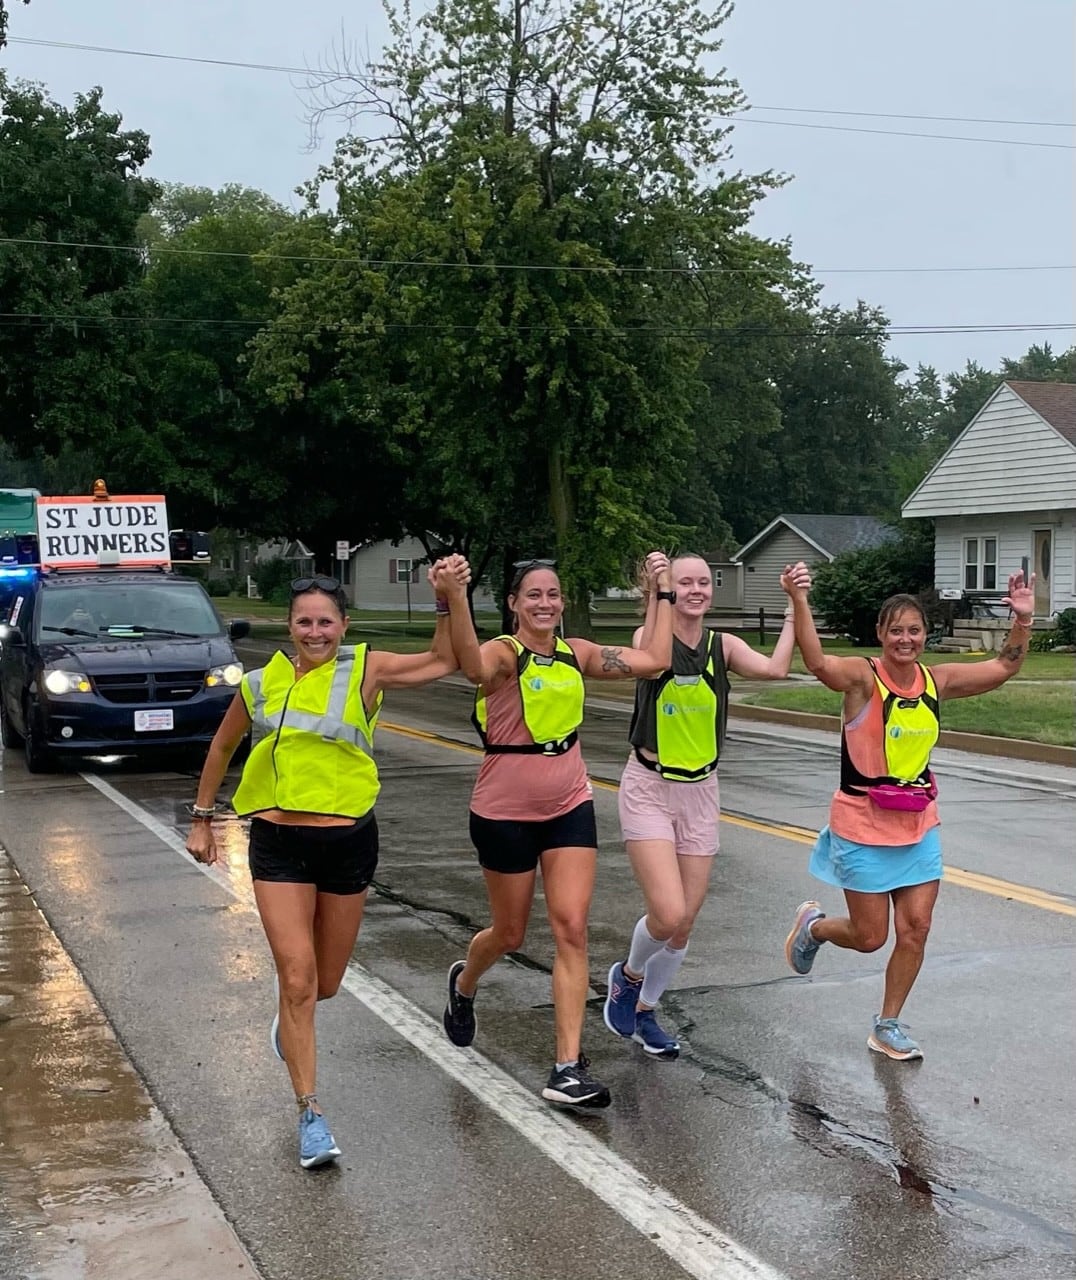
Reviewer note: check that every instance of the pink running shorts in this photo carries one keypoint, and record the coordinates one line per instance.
(684, 813)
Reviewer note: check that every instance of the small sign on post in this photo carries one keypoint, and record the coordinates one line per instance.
(343, 550)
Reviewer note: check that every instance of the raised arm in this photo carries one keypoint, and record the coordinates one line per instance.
(387, 670)
(843, 675)
(745, 661)
(613, 662)
(964, 680)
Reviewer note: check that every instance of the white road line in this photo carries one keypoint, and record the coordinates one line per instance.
(687, 1239)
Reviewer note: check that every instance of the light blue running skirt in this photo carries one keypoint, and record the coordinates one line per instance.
(875, 868)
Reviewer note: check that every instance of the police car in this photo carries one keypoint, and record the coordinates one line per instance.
(104, 649)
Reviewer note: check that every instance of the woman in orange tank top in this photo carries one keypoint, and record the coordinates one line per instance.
(881, 845)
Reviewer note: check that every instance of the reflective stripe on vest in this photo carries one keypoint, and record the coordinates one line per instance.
(687, 714)
(910, 726)
(315, 753)
(551, 694)
(329, 725)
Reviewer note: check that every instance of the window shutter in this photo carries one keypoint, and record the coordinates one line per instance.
(392, 569)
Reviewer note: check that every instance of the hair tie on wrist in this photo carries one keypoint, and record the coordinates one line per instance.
(441, 606)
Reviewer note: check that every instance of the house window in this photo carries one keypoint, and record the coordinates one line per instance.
(717, 579)
(980, 564)
(226, 563)
(401, 570)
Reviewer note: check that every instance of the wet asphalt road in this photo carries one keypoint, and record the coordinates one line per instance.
(777, 1145)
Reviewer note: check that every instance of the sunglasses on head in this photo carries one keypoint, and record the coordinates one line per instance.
(319, 583)
(534, 564)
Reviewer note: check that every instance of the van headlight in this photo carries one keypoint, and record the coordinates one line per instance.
(59, 680)
(231, 675)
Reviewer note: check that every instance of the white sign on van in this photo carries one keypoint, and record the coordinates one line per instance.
(86, 533)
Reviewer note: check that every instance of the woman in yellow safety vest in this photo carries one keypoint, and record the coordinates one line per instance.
(532, 803)
(881, 844)
(309, 786)
(668, 798)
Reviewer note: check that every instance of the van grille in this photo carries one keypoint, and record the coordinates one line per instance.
(156, 686)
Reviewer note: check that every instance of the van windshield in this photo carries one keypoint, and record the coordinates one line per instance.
(79, 613)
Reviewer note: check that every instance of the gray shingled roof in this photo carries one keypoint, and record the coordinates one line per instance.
(1054, 402)
(842, 533)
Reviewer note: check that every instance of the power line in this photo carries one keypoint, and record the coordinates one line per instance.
(904, 115)
(13, 318)
(611, 269)
(740, 118)
(906, 133)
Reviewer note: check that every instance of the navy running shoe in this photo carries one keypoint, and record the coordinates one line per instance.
(654, 1039)
(619, 1009)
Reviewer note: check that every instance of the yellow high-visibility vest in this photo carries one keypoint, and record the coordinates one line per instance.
(317, 752)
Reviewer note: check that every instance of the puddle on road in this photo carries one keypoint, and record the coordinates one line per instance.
(95, 1186)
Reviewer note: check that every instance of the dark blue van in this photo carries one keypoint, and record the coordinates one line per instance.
(111, 662)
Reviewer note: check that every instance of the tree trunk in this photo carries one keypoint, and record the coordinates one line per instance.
(572, 578)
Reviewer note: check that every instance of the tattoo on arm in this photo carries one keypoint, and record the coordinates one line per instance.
(612, 661)
(1012, 653)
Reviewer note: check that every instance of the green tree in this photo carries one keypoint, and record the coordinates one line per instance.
(4, 21)
(548, 231)
(70, 197)
(209, 289)
(838, 429)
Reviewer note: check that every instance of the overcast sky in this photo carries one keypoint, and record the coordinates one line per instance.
(857, 200)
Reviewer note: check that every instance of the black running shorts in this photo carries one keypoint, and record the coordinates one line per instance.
(334, 859)
(514, 847)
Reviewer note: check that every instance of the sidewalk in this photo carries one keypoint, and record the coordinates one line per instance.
(95, 1183)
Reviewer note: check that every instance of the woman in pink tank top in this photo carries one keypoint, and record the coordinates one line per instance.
(532, 804)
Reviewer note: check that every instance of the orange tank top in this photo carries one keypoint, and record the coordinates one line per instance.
(857, 818)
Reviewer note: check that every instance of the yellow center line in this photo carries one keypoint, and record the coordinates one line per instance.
(998, 888)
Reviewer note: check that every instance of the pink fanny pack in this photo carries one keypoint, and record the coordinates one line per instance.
(908, 797)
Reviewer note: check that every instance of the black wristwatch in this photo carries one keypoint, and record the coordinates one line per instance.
(667, 595)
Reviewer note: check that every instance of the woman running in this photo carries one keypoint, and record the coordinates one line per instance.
(668, 801)
(310, 785)
(532, 802)
(881, 845)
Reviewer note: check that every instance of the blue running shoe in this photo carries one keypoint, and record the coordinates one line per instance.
(316, 1144)
(619, 1009)
(800, 947)
(889, 1037)
(655, 1040)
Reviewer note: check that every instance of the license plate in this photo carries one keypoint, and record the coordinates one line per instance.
(153, 721)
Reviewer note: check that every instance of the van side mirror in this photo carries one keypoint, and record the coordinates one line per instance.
(238, 628)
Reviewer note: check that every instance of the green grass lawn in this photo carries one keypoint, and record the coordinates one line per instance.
(1040, 713)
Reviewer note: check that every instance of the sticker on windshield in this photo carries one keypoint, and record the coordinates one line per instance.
(16, 609)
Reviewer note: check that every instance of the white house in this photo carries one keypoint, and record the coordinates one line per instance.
(385, 575)
(1005, 491)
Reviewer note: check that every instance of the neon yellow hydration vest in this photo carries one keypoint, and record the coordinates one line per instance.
(552, 694)
(681, 716)
(317, 752)
(911, 727)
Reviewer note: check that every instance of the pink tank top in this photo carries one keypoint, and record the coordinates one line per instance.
(525, 788)
(857, 818)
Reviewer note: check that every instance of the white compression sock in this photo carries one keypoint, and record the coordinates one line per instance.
(643, 946)
(659, 972)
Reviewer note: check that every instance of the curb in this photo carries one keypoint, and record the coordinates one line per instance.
(978, 743)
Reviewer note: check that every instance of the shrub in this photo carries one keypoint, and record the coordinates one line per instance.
(273, 579)
(1066, 627)
(850, 590)
(1042, 641)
